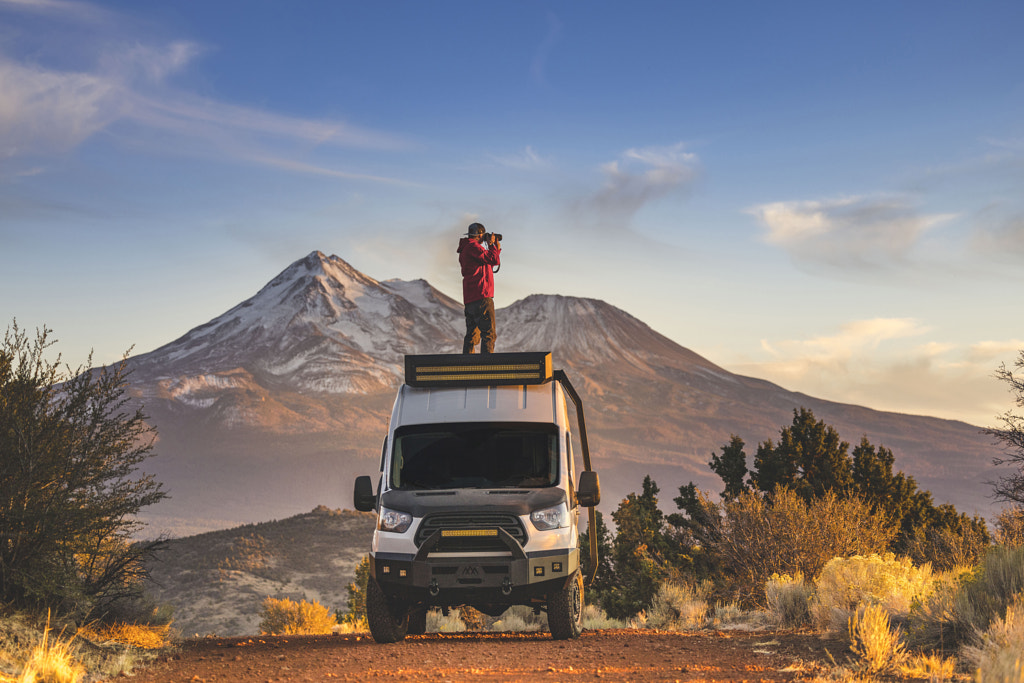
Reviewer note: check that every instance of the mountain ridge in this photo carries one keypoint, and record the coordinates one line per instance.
(274, 406)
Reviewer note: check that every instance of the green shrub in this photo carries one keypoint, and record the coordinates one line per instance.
(788, 599)
(287, 617)
(679, 607)
(894, 584)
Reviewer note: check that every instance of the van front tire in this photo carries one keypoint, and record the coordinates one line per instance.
(386, 625)
(565, 610)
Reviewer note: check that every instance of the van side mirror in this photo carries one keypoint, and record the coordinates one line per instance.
(362, 497)
(589, 491)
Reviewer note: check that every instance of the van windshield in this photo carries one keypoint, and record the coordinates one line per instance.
(474, 455)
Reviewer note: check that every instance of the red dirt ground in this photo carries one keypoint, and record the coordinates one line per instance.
(612, 655)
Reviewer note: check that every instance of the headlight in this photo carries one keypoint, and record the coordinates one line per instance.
(394, 521)
(550, 518)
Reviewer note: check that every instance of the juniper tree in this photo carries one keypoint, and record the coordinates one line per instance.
(70, 448)
(1010, 487)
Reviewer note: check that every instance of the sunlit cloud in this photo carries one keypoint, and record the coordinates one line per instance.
(639, 177)
(889, 364)
(847, 231)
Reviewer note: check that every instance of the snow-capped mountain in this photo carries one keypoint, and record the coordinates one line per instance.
(320, 325)
(273, 407)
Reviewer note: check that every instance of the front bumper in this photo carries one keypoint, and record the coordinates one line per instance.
(455, 578)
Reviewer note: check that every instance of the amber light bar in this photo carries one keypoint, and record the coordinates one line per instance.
(478, 369)
(468, 532)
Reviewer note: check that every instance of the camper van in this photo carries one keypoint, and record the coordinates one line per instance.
(477, 500)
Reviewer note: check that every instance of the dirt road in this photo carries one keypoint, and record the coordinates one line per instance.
(614, 655)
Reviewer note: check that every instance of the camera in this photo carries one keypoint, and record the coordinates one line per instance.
(496, 235)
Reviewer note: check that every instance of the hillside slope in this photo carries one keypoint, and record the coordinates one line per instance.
(217, 581)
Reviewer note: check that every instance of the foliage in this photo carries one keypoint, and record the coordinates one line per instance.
(643, 553)
(810, 459)
(877, 646)
(788, 598)
(679, 606)
(731, 467)
(846, 584)
(782, 534)
(69, 489)
(951, 540)
(1010, 526)
(1010, 488)
(287, 617)
(604, 581)
(357, 594)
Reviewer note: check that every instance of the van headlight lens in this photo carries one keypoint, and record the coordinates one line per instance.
(550, 518)
(394, 521)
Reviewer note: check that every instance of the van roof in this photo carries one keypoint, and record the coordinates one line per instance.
(478, 370)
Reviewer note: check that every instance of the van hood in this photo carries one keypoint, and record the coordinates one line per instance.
(514, 501)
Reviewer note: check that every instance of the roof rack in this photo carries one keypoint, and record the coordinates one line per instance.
(476, 370)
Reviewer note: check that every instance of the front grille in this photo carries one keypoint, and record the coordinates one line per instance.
(463, 521)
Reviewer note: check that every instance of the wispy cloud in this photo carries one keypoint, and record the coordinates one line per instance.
(638, 177)
(46, 110)
(538, 66)
(526, 160)
(847, 232)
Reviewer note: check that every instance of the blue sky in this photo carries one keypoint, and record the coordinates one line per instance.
(829, 196)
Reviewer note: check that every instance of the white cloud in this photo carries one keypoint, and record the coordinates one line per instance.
(46, 110)
(52, 112)
(847, 231)
(638, 177)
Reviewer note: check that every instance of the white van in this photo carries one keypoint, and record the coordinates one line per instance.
(476, 503)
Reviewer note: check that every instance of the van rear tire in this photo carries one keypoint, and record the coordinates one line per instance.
(565, 610)
(387, 625)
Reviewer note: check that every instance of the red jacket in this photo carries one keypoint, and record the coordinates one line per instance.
(477, 274)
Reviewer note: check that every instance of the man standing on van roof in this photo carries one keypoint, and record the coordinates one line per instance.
(478, 261)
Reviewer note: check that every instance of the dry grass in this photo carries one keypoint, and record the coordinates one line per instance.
(789, 599)
(142, 636)
(1000, 655)
(680, 607)
(878, 646)
(52, 661)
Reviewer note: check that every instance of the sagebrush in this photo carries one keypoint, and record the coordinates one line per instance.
(287, 617)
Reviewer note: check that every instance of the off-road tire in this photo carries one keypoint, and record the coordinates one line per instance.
(565, 609)
(417, 621)
(386, 624)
